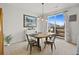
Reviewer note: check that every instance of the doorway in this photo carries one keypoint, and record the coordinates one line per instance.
(1, 32)
(56, 24)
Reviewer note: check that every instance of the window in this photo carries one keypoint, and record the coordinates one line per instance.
(56, 24)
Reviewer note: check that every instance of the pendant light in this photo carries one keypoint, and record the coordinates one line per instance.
(42, 16)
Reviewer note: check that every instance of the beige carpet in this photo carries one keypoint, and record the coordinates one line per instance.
(62, 48)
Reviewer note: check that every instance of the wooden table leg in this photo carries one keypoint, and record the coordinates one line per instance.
(38, 43)
(46, 39)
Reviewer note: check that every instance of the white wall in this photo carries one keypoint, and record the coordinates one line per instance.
(74, 28)
(13, 21)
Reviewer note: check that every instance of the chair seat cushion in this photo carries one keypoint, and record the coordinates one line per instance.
(32, 41)
(48, 42)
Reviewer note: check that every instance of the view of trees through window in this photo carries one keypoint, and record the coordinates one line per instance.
(56, 21)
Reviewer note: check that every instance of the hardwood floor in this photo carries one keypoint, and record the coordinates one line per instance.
(62, 48)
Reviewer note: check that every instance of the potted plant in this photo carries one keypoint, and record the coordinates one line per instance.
(8, 38)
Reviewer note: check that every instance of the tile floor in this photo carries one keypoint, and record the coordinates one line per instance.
(62, 48)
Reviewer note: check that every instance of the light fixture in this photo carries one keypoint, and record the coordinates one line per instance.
(42, 15)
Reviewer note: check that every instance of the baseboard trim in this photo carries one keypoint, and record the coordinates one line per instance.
(77, 54)
(17, 42)
(72, 43)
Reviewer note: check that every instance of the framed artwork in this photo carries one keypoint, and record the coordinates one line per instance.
(73, 17)
(29, 21)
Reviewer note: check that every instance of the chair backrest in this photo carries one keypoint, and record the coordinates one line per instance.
(54, 37)
(27, 36)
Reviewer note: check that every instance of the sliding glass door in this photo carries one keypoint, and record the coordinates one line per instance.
(56, 24)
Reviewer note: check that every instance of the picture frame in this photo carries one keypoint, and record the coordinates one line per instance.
(29, 21)
(72, 18)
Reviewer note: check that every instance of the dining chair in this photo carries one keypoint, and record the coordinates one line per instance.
(31, 43)
(51, 42)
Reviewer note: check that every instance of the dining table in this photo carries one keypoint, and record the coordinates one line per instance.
(38, 36)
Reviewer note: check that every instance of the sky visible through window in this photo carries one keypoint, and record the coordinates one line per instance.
(59, 18)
